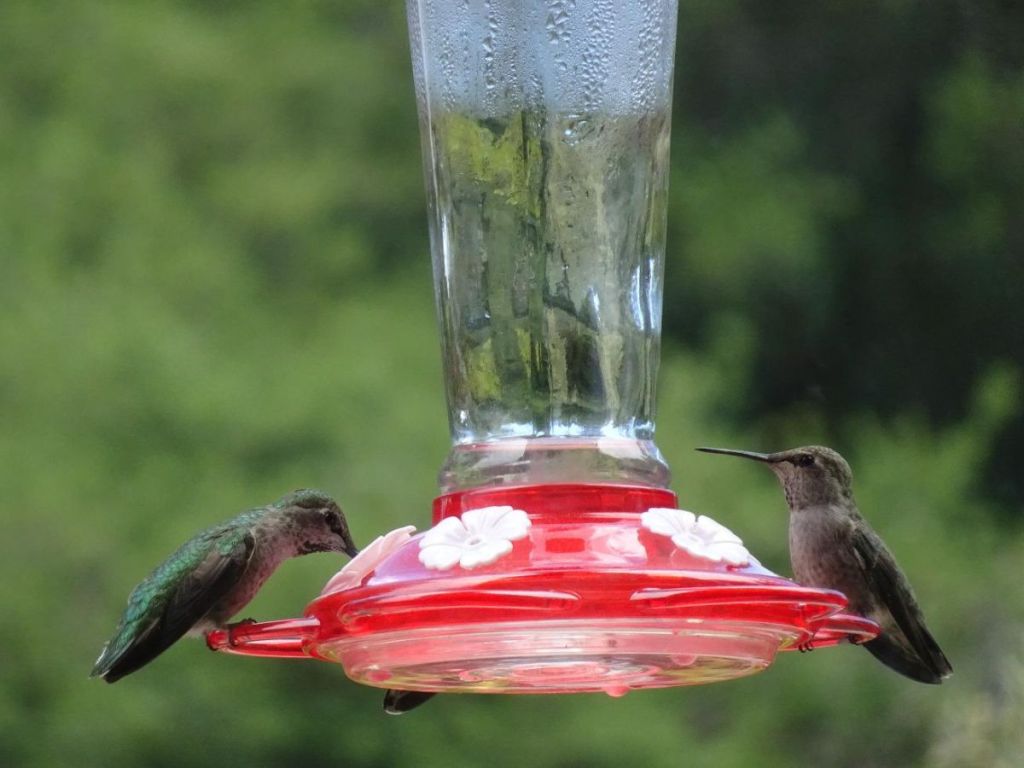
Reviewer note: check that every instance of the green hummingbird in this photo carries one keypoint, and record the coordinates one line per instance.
(832, 546)
(215, 574)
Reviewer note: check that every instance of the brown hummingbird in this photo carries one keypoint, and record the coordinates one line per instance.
(832, 546)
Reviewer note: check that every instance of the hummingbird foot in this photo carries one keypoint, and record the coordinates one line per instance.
(232, 643)
(807, 646)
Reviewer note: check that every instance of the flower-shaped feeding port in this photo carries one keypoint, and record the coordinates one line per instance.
(700, 536)
(369, 557)
(478, 537)
(561, 588)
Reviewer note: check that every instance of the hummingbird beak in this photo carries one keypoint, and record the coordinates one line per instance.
(767, 458)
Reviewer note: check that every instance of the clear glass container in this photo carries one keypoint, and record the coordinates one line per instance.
(545, 130)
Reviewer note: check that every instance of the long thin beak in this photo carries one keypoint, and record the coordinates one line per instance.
(768, 458)
(351, 550)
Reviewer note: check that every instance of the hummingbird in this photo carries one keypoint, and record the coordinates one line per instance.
(398, 702)
(832, 546)
(215, 574)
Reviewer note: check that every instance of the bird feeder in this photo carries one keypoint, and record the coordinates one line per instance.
(558, 560)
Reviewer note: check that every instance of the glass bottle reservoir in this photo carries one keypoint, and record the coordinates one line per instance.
(545, 130)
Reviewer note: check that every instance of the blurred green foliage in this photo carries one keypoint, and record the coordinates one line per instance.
(216, 287)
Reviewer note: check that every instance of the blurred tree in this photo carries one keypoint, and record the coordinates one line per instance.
(881, 264)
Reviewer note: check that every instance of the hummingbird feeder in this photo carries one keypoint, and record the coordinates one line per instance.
(558, 560)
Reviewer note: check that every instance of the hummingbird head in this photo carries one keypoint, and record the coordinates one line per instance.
(811, 476)
(320, 523)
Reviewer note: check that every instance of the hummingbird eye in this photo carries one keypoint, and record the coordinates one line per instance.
(804, 460)
(333, 521)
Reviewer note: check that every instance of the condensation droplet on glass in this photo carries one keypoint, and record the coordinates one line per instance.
(557, 20)
(488, 46)
(576, 129)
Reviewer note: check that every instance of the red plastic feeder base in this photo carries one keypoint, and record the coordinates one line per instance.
(586, 599)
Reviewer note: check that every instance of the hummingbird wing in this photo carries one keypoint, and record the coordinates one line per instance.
(153, 622)
(905, 644)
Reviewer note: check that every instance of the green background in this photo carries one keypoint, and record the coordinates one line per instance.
(215, 287)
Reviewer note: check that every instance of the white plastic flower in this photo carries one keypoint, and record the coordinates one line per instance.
(700, 536)
(479, 537)
(369, 557)
(616, 545)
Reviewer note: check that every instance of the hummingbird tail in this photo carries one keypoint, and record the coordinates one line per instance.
(929, 666)
(132, 648)
(113, 666)
(399, 702)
